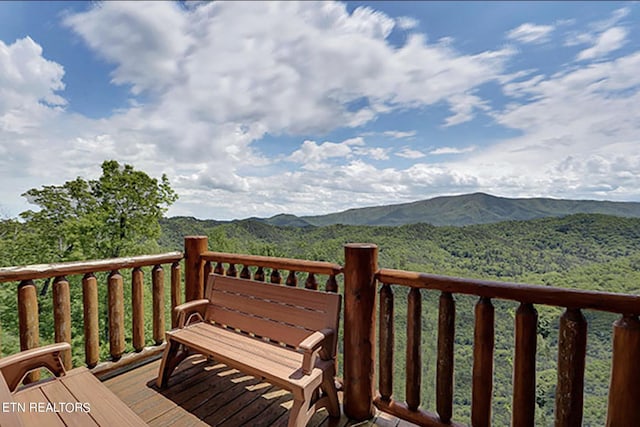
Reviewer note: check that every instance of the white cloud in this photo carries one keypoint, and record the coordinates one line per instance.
(398, 134)
(531, 33)
(407, 22)
(610, 40)
(312, 154)
(451, 150)
(409, 153)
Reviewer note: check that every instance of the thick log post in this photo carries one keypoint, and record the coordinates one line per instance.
(91, 330)
(624, 392)
(483, 343)
(157, 284)
(524, 369)
(175, 291)
(572, 346)
(414, 353)
(444, 373)
(116, 315)
(28, 321)
(194, 266)
(386, 344)
(62, 316)
(137, 309)
(361, 265)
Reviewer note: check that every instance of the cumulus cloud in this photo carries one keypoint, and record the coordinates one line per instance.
(531, 33)
(397, 134)
(407, 22)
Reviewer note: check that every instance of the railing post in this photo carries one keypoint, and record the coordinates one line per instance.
(624, 394)
(360, 267)
(194, 266)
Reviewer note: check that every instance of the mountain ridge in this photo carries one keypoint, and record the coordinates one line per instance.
(460, 210)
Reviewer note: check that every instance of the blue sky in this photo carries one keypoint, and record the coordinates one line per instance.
(257, 108)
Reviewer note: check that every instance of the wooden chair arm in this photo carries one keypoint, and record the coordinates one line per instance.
(16, 366)
(317, 343)
(185, 310)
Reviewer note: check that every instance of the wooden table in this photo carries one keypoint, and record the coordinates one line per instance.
(76, 399)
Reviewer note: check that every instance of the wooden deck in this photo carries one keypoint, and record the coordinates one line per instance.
(203, 392)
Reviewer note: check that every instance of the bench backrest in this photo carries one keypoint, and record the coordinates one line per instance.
(281, 313)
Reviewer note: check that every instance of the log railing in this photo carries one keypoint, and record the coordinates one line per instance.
(272, 269)
(624, 393)
(28, 312)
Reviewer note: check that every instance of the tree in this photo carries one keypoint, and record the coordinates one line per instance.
(115, 215)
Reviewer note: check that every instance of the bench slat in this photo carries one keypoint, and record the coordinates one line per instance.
(247, 361)
(279, 332)
(313, 300)
(270, 309)
(35, 418)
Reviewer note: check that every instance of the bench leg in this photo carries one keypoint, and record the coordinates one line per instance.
(329, 390)
(300, 411)
(170, 360)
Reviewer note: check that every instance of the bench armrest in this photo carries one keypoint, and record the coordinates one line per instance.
(185, 311)
(318, 342)
(13, 368)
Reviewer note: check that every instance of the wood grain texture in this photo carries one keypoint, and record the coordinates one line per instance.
(157, 290)
(386, 342)
(524, 368)
(90, 316)
(624, 393)
(116, 315)
(28, 321)
(444, 371)
(62, 316)
(414, 350)
(483, 344)
(137, 309)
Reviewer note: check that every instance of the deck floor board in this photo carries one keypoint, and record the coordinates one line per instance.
(203, 392)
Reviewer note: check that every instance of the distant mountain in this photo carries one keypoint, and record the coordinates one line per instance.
(477, 208)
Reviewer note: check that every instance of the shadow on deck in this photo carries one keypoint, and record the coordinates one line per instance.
(203, 392)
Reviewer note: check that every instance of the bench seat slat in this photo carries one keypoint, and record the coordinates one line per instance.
(246, 360)
(35, 418)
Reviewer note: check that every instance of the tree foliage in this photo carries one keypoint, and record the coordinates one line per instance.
(117, 214)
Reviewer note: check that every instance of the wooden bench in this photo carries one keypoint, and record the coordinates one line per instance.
(74, 398)
(285, 335)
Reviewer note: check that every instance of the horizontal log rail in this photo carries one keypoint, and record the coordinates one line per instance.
(29, 317)
(291, 265)
(43, 271)
(624, 393)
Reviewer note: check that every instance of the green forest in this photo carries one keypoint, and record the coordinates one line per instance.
(122, 214)
(582, 251)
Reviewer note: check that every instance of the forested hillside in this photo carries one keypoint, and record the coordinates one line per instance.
(582, 251)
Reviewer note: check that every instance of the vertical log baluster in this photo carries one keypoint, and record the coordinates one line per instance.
(483, 343)
(219, 269)
(62, 316)
(386, 342)
(524, 370)
(116, 315)
(292, 279)
(90, 315)
(444, 373)
(572, 346)
(28, 321)
(624, 391)
(311, 282)
(275, 276)
(137, 308)
(245, 273)
(175, 291)
(332, 284)
(414, 356)
(259, 275)
(231, 271)
(157, 284)
(206, 271)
